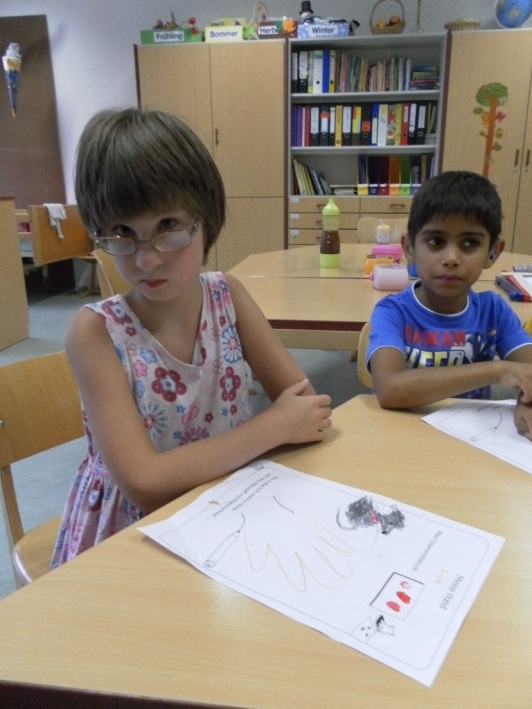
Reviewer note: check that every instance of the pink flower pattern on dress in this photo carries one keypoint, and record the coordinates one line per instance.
(194, 434)
(116, 311)
(191, 414)
(230, 383)
(140, 368)
(168, 384)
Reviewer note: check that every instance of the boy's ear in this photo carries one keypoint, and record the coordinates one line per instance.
(494, 253)
(407, 247)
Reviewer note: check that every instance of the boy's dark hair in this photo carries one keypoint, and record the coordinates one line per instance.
(132, 162)
(456, 192)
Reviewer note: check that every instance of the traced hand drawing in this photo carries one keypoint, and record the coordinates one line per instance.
(489, 426)
(488, 431)
(362, 513)
(300, 546)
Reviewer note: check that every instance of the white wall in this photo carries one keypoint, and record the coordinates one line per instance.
(92, 43)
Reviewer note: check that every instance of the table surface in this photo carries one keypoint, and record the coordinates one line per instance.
(303, 262)
(131, 621)
(331, 303)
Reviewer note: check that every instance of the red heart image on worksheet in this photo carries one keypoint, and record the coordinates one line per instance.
(403, 596)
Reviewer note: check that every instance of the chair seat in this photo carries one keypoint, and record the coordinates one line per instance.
(33, 553)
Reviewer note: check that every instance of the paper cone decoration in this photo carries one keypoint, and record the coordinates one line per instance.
(12, 61)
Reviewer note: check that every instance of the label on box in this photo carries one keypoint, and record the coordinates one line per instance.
(162, 36)
(227, 33)
(186, 34)
(274, 30)
(321, 30)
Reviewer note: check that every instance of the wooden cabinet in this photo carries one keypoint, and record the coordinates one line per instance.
(305, 222)
(14, 317)
(233, 96)
(488, 126)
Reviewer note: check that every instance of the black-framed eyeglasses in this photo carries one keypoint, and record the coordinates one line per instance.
(165, 242)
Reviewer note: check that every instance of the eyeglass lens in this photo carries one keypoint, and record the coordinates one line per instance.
(166, 242)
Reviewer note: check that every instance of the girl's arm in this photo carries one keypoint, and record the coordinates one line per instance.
(268, 358)
(149, 479)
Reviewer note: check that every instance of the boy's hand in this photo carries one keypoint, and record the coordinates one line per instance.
(523, 419)
(302, 419)
(518, 374)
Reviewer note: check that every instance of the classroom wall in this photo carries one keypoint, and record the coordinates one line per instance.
(92, 43)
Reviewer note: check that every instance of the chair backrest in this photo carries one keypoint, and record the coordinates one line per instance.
(363, 374)
(111, 283)
(39, 409)
(367, 227)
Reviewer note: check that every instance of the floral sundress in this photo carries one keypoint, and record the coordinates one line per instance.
(179, 403)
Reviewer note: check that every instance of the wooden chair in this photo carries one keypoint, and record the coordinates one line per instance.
(367, 226)
(363, 374)
(111, 283)
(39, 409)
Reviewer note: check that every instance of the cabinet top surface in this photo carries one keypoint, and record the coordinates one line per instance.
(383, 41)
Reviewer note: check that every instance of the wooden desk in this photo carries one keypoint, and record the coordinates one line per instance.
(328, 313)
(304, 262)
(131, 621)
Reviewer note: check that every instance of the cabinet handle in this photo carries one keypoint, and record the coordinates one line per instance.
(319, 223)
(527, 163)
(320, 206)
(516, 161)
(397, 206)
(216, 136)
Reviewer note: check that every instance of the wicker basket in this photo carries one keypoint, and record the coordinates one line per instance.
(389, 29)
(462, 23)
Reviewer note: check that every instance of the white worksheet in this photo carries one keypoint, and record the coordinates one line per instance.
(488, 425)
(390, 580)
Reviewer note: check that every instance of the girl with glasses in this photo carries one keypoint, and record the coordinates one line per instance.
(161, 367)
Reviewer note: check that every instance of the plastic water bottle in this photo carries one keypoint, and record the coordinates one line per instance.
(382, 235)
(330, 238)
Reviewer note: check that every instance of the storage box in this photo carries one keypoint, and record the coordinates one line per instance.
(276, 29)
(323, 30)
(224, 33)
(176, 35)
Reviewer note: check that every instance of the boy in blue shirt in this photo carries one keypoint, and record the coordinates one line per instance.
(418, 336)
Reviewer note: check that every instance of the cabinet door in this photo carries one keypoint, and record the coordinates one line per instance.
(522, 242)
(253, 227)
(248, 94)
(177, 78)
(487, 100)
(14, 316)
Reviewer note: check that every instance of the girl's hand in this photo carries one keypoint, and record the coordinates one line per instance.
(301, 419)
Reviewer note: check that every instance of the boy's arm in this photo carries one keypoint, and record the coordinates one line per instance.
(397, 387)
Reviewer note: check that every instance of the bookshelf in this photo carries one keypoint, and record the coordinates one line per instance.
(371, 73)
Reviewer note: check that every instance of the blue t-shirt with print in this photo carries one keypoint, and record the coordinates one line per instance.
(485, 328)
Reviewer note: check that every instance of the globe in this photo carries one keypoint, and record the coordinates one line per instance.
(512, 13)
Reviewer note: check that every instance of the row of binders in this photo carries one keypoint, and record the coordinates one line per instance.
(322, 71)
(377, 124)
(375, 175)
